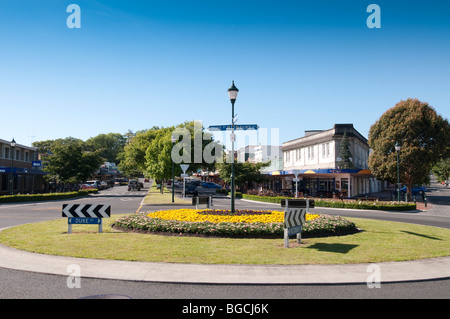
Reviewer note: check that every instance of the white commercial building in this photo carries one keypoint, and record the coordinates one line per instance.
(315, 159)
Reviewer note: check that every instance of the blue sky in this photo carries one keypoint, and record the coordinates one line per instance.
(299, 65)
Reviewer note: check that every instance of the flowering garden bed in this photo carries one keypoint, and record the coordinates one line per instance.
(222, 223)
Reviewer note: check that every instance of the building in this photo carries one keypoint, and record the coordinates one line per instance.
(315, 159)
(19, 168)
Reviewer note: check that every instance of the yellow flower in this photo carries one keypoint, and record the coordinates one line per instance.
(201, 215)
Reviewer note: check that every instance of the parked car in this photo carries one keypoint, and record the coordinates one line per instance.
(211, 185)
(415, 190)
(104, 184)
(94, 184)
(191, 187)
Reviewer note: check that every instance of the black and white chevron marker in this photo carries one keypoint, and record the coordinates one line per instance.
(86, 210)
(294, 217)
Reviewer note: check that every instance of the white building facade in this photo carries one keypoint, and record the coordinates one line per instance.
(315, 160)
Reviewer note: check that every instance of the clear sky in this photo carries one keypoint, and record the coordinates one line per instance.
(299, 65)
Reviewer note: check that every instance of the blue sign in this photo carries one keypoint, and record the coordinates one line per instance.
(84, 220)
(294, 230)
(37, 163)
(236, 127)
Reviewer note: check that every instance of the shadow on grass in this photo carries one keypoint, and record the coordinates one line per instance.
(333, 248)
(420, 235)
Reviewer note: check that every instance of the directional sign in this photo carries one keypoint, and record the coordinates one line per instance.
(85, 214)
(236, 127)
(84, 220)
(86, 210)
(294, 217)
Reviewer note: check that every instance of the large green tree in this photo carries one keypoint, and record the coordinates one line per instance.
(158, 156)
(108, 145)
(69, 162)
(423, 135)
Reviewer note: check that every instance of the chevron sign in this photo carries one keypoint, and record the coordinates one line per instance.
(294, 217)
(85, 214)
(86, 210)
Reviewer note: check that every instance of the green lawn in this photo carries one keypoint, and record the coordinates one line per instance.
(377, 242)
(154, 197)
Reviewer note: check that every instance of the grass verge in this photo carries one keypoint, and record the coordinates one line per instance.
(378, 241)
(154, 197)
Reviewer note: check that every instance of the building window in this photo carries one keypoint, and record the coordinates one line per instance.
(6, 152)
(311, 152)
(287, 157)
(298, 155)
(326, 150)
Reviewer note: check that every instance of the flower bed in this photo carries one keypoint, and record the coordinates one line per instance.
(336, 203)
(244, 223)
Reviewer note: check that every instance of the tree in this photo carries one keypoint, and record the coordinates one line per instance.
(158, 154)
(109, 146)
(132, 158)
(423, 134)
(442, 169)
(344, 153)
(244, 173)
(70, 163)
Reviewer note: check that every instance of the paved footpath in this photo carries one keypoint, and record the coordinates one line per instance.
(434, 268)
(246, 274)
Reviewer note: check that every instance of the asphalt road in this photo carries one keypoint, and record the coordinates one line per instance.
(28, 285)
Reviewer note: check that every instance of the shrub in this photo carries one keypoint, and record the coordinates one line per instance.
(341, 204)
(43, 197)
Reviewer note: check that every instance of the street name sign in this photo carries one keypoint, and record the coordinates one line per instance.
(236, 127)
(85, 214)
(84, 220)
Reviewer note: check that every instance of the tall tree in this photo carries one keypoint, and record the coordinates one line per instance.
(109, 146)
(344, 153)
(424, 137)
(70, 163)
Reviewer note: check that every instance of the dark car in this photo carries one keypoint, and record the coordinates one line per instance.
(134, 184)
(191, 187)
(211, 185)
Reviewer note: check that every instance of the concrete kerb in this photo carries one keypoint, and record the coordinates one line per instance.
(425, 269)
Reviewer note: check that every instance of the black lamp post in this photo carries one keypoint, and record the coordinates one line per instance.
(13, 144)
(174, 140)
(232, 93)
(397, 148)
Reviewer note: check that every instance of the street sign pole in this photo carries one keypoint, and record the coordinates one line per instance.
(184, 167)
(232, 156)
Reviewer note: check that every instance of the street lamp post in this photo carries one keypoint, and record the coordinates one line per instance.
(397, 148)
(13, 144)
(174, 140)
(232, 93)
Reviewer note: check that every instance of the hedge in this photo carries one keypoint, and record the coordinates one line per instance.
(43, 197)
(376, 205)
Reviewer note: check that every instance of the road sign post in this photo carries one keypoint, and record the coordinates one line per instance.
(85, 214)
(295, 217)
(184, 167)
